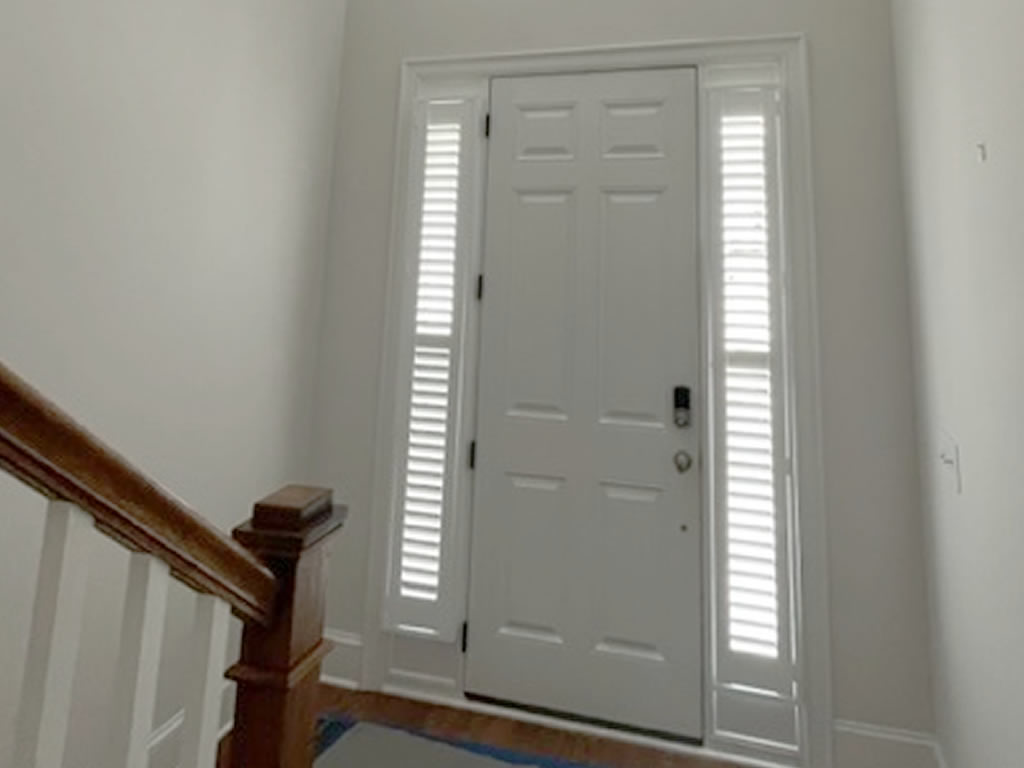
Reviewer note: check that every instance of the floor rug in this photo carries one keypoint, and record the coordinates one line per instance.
(346, 743)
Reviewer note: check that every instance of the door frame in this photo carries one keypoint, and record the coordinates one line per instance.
(471, 75)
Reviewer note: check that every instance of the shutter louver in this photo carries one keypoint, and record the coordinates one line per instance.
(426, 468)
(420, 597)
(435, 295)
(425, 474)
(752, 536)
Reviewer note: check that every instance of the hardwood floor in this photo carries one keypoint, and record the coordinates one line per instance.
(449, 723)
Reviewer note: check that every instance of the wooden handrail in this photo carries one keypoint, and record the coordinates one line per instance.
(48, 450)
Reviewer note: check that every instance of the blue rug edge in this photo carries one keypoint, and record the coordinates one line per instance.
(332, 726)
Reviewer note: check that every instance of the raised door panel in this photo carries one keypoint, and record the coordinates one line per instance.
(537, 325)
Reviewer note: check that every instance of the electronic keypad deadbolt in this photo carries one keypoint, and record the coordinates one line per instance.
(681, 399)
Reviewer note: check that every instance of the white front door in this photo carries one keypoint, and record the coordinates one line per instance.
(586, 544)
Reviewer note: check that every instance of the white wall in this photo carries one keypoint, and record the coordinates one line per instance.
(962, 84)
(880, 634)
(164, 178)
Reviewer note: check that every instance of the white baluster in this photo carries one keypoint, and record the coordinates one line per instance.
(202, 703)
(45, 704)
(142, 630)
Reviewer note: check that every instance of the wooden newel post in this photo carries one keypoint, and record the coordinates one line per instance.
(279, 669)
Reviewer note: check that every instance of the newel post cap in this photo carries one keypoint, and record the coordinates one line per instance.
(290, 521)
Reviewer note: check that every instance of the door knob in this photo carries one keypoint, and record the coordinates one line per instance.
(684, 462)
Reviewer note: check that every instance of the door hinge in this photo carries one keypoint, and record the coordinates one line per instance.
(479, 287)
(472, 455)
(487, 125)
(465, 636)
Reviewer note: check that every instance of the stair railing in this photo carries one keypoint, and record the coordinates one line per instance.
(272, 573)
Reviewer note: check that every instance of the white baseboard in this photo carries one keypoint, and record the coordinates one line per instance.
(863, 745)
(344, 664)
(398, 679)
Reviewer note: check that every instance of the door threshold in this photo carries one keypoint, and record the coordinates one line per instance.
(651, 733)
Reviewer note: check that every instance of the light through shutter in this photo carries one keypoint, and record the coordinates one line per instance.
(427, 471)
(751, 513)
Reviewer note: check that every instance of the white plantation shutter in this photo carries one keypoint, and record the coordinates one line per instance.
(751, 544)
(420, 596)
(754, 663)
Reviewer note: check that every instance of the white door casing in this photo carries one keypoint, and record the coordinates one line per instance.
(585, 592)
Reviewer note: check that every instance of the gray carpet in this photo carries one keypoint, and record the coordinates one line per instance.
(371, 746)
